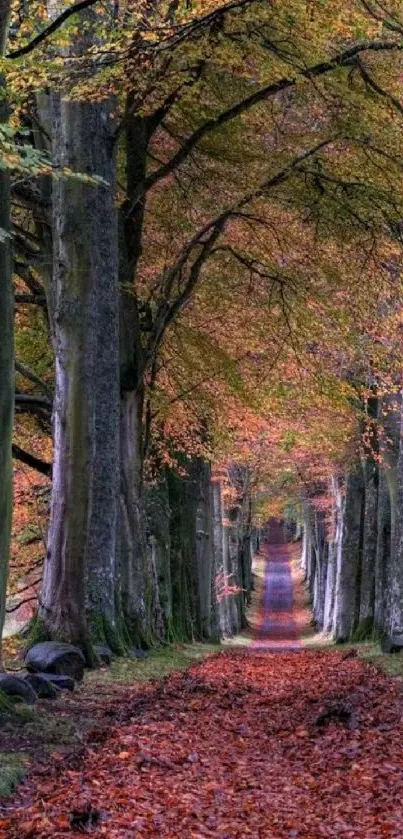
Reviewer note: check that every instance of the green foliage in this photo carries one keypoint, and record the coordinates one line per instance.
(12, 771)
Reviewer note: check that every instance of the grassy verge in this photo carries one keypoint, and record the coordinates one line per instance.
(12, 771)
(156, 665)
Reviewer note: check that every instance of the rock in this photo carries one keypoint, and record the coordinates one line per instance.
(56, 658)
(60, 682)
(392, 643)
(140, 654)
(31, 533)
(104, 653)
(16, 686)
(44, 688)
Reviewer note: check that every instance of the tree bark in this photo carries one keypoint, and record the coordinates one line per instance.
(80, 565)
(333, 557)
(348, 576)
(6, 352)
(205, 559)
(395, 598)
(370, 536)
(383, 554)
(221, 559)
(140, 600)
(319, 582)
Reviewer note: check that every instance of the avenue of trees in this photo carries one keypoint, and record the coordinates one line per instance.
(200, 223)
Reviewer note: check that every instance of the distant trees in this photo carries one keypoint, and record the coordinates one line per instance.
(363, 530)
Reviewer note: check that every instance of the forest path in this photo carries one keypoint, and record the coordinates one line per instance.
(279, 617)
(266, 746)
(277, 626)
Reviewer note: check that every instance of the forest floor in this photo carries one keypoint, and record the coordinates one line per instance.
(269, 740)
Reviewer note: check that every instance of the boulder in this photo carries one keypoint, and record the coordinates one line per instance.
(16, 686)
(104, 653)
(42, 686)
(59, 682)
(392, 643)
(56, 658)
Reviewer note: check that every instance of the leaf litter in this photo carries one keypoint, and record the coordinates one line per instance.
(242, 745)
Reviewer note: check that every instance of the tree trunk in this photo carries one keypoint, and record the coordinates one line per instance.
(395, 604)
(79, 574)
(370, 536)
(183, 504)
(206, 572)
(389, 417)
(319, 582)
(143, 610)
(383, 554)
(159, 548)
(348, 576)
(333, 556)
(6, 353)
(221, 560)
(140, 604)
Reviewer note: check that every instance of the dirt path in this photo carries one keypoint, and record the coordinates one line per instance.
(277, 627)
(279, 617)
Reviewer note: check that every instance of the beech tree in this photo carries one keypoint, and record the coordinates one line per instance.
(6, 347)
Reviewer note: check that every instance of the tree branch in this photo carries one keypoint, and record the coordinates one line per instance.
(32, 461)
(32, 299)
(53, 27)
(31, 376)
(343, 59)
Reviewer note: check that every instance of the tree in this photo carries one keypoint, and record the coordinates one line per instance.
(6, 347)
(80, 577)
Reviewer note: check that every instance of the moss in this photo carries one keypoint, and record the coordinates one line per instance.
(102, 632)
(363, 632)
(6, 704)
(12, 771)
(35, 632)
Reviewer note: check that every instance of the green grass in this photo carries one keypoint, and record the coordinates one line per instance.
(159, 663)
(392, 664)
(12, 771)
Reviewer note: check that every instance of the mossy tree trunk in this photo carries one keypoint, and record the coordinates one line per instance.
(79, 574)
(395, 599)
(348, 576)
(383, 553)
(6, 352)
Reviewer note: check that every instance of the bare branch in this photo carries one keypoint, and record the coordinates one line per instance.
(32, 461)
(31, 376)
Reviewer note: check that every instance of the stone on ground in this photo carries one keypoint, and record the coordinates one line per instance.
(56, 658)
(15, 686)
(42, 685)
(104, 653)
